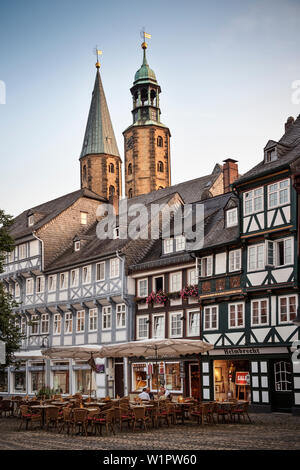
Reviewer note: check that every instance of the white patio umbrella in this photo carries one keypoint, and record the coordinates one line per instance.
(83, 352)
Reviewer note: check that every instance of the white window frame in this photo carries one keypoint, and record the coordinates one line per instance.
(54, 279)
(253, 198)
(192, 277)
(259, 312)
(236, 261)
(180, 243)
(189, 331)
(153, 282)
(29, 282)
(235, 305)
(40, 284)
(74, 277)
(175, 314)
(116, 233)
(287, 297)
(45, 322)
(93, 319)
(57, 324)
(35, 326)
(63, 281)
(229, 221)
(120, 316)
(80, 321)
(30, 220)
(146, 318)
(83, 218)
(277, 192)
(17, 290)
(168, 245)
(209, 308)
(274, 244)
(256, 267)
(142, 294)
(101, 264)
(178, 286)
(68, 329)
(106, 318)
(114, 268)
(86, 274)
(22, 251)
(163, 334)
(77, 245)
(208, 267)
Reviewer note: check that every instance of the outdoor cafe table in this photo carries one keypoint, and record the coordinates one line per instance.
(43, 408)
(183, 406)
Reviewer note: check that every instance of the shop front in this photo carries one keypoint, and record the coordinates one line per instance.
(60, 377)
(85, 382)
(154, 375)
(37, 376)
(19, 379)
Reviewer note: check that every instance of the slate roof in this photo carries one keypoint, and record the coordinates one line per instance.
(45, 212)
(288, 152)
(99, 134)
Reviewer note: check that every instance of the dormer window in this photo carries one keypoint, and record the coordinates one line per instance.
(77, 245)
(271, 155)
(116, 233)
(231, 217)
(30, 220)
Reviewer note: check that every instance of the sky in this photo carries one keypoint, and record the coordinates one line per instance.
(226, 71)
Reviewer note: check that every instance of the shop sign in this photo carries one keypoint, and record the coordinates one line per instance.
(36, 369)
(247, 351)
(242, 378)
(59, 367)
(2, 353)
(100, 368)
(139, 367)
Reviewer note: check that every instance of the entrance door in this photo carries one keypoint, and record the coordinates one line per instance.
(194, 381)
(281, 385)
(119, 380)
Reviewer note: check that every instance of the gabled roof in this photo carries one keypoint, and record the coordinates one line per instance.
(47, 211)
(288, 151)
(99, 135)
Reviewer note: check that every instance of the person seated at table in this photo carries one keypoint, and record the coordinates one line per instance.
(163, 393)
(151, 396)
(144, 395)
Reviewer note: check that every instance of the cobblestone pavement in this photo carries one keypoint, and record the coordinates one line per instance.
(268, 432)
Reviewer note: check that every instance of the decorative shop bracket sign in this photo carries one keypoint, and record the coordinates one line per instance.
(2, 353)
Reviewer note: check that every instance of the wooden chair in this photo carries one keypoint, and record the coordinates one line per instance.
(28, 416)
(223, 412)
(6, 407)
(123, 414)
(105, 418)
(67, 419)
(140, 417)
(52, 417)
(163, 413)
(80, 419)
(240, 410)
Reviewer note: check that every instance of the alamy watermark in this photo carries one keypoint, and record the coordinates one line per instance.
(296, 94)
(2, 92)
(151, 222)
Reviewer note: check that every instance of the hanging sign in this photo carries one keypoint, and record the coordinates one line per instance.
(242, 378)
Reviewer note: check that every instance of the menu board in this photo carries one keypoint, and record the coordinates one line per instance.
(242, 378)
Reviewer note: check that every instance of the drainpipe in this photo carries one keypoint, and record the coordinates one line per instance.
(42, 242)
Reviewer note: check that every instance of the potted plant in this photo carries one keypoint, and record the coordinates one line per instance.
(159, 297)
(189, 291)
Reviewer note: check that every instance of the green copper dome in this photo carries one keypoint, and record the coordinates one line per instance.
(144, 74)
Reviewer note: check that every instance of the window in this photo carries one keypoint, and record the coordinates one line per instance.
(34, 324)
(30, 220)
(63, 281)
(45, 323)
(142, 327)
(114, 268)
(106, 318)
(83, 218)
(159, 141)
(17, 289)
(176, 324)
(211, 317)
(168, 245)
(279, 252)
(175, 281)
(77, 245)
(57, 324)
(74, 277)
(111, 168)
(158, 283)
(142, 287)
(194, 323)
(23, 325)
(192, 277)
(100, 271)
(180, 243)
(236, 315)
(130, 193)
(29, 286)
(84, 172)
(206, 266)
(231, 217)
(121, 315)
(287, 308)
(22, 251)
(40, 284)
(253, 201)
(256, 257)
(278, 194)
(259, 312)
(160, 167)
(116, 233)
(271, 155)
(68, 322)
(52, 283)
(283, 376)
(234, 260)
(80, 321)
(93, 319)
(129, 169)
(112, 191)
(158, 326)
(86, 275)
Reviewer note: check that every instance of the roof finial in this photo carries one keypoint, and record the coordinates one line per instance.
(144, 45)
(97, 53)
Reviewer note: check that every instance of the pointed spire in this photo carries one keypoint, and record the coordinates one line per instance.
(99, 135)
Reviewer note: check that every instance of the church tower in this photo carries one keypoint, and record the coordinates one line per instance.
(100, 162)
(147, 140)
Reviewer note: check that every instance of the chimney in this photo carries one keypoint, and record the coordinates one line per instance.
(114, 200)
(290, 121)
(230, 173)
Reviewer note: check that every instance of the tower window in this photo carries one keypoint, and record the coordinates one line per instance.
(84, 172)
(130, 169)
(112, 191)
(144, 95)
(130, 193)
(159, 141)
(160, 166)
(111, 168)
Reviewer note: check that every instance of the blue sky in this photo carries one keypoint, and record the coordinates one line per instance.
(226, 70)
